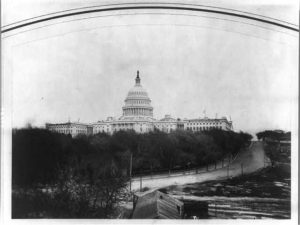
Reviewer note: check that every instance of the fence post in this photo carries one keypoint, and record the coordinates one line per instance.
(169, 172)
(141, 183)
(222, 163)
(215, 165)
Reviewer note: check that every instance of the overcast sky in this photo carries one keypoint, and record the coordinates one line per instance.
(188, 63)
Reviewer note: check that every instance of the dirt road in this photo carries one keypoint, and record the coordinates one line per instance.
(247, 161)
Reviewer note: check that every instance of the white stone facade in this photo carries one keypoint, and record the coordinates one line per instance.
(73, 129)
(203, 124)
(138, 116)
(167, 124)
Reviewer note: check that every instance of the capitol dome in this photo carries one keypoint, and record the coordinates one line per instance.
(137, 102)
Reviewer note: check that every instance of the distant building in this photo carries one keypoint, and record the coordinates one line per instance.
(71, 128)
(138, 116)
(202, 124)
(167, 124)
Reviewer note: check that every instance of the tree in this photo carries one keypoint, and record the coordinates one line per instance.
(271, 134)
(273, 152)
(37, 155)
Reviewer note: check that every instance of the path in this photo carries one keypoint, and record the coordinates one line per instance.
(247, 161)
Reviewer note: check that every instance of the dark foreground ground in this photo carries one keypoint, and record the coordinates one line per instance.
(263, 194)
(260, 195)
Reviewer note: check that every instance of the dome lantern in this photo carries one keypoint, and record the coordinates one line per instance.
(137, 79)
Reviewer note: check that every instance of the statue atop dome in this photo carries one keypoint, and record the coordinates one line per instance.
(137, 79)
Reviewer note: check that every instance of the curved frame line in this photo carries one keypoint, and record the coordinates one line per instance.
(155, 13)
(147, 3)
(150, 7)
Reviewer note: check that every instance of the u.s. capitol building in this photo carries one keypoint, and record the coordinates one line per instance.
(138, 116)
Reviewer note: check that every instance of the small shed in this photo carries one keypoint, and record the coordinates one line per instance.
(156, 205)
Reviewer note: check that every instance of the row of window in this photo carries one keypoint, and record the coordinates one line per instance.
(70, 131)
(138, 93)
(62, 131)
(202, 123)
(101, 126)
(202, 128)
(141, 129)
(174, 125)
(137, 102)
(135, 111)
(67, 127)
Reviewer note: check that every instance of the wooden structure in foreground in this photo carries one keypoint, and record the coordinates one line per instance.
(156, 205)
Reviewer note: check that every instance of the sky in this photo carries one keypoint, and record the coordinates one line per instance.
(188, 62)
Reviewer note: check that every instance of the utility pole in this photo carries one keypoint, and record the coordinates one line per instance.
(242, 169)
(130, 172)
(227, 171)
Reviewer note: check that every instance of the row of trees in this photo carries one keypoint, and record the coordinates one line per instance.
(275, 135)
(97, 166)
(275, 150)
(38, 154)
